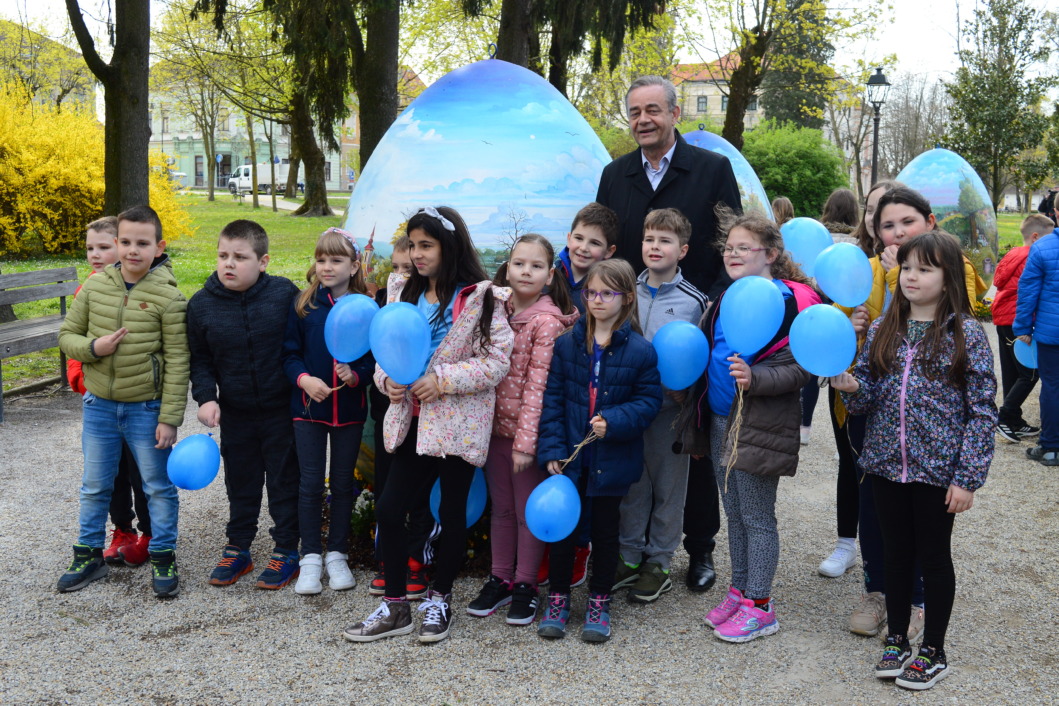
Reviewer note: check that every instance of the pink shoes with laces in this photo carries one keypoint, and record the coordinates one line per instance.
(738, 619)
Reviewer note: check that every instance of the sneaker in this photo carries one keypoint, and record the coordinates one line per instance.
(234, 563)
(377, 587)
(748, 623)
(416, 587)
(597, 618)
(841, 560)
(927, 669)
(523, 610)
(652, 582)
(1035, 453)
(804, 434)
(165, 579)
(545, 567)
(437, 620)
(282, 569)
(726, 609)
(626, 575)
(118, 539)
(895, 657)
(581, 555)
(339, 577)
(1050, 457)
(1024, 430)
(916, 623)
(389, 619)
(556, 616)
(310, 571)
(1006, 432)
(870, 616)
(494, 594)
(138, 553)
(87, 566)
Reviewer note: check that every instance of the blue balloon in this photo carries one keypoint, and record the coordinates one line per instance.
(682, 354)
(1026, 353)
(347, 325)
(823, 341)
(844, 274)
(805, 239)
(553, 509)
(194, 462)
(400, 340)
(751, 314)
(475, 498)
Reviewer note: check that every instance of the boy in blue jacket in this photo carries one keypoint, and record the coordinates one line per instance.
(236, 327)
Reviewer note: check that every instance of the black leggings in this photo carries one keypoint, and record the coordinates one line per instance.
(409, 475)
(603, 516)
(916, 525)
(849, 440)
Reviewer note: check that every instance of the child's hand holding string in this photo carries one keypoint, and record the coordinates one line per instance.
(317, 389)
(599, 425)
(860, 319)
(740, 371)
(555, 468)
(426, 389)
(1025, 339)
(959, 499)
(844, 382)
(345, 374)
(394, 391)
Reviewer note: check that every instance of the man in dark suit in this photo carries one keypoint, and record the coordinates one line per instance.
(667, 172)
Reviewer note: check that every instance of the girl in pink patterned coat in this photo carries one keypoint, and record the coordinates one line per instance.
(439, 426)
(511, 468)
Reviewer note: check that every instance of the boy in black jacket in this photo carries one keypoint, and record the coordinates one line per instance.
(236, 326)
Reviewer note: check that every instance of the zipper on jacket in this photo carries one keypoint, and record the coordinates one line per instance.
(909, 355)
(250, 350)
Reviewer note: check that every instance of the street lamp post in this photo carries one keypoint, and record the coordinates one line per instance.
(878, 90)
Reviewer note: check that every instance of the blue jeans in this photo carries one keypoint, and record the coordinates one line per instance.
(106, 425)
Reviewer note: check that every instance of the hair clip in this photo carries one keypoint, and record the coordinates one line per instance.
(352, 241)
(445, 222)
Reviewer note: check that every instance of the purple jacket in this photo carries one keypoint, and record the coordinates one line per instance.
(928, 431)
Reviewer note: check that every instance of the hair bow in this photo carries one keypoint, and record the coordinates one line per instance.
(352, 241)
(445, 222)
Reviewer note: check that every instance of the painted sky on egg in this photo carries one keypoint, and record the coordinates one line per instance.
(751, 192)
(490, 139)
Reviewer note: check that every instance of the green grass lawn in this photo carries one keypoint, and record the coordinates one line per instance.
(291, 242)
(1008, 230)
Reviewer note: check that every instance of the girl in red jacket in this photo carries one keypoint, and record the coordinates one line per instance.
(512, 472)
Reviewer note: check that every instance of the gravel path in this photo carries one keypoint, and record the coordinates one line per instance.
(114, 642)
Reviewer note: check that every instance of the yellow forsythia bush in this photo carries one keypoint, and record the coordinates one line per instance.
(51, 179)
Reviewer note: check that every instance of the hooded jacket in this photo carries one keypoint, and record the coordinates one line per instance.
(1038, 303)
(520, 395)
(151, 362)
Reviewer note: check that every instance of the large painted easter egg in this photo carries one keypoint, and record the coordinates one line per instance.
(751, 192)
(493, 140)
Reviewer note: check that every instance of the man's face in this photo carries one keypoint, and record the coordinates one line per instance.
(651, 122)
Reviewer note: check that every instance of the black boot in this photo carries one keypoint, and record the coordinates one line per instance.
(701, 575)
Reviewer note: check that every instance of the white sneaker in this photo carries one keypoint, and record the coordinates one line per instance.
(340, 577)
(311, 569)
(841, 560)
(804, 433)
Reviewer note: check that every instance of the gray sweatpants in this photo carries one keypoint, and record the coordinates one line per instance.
(657, 499)
(750, 505)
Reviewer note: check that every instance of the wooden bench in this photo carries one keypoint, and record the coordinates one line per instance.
(39, 334)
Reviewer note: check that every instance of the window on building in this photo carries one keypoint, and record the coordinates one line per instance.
(701, 104)
(200, 179)
(246, 160)
(165, 123)
(284, 130)
(724, 102)
(284, 161)
(222, 122)
(327, 171)
(752, 105)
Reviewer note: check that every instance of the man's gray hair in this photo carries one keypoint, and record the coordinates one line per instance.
(666, 84)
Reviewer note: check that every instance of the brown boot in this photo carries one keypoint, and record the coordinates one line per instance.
(389, 619)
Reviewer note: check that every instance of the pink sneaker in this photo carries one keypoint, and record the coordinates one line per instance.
(716, 617)
(748, 623)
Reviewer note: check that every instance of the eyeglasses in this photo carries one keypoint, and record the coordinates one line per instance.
(740, 250)
(604, 295)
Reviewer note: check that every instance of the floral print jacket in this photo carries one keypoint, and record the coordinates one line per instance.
(461, 420)
(923, 430)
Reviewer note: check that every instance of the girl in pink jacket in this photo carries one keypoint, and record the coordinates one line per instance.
(439, 426)
(511, 468)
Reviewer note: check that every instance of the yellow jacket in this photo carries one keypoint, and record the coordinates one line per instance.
(875, 303)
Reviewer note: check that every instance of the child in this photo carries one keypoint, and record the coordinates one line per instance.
(236, 327)
(603, 381)
(657, 499)
(421, 526)
(329, 403)
(782, 210)
(511, 469)
(128, 328)
(1037, 318)
(925, 380)
(756, 394)
(101, 246)
(439, 425)
(1017, 380)
(593, 237)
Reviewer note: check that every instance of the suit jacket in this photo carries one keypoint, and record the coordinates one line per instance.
(696, 181)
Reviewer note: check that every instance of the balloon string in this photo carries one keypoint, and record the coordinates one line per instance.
(577, 449)
(733, 435)
(332, 389)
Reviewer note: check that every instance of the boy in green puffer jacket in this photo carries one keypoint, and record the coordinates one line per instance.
(128, 327)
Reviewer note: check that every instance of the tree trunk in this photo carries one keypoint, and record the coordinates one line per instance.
(253, 159)
(516, 25)
(742, 84)
(270, 130)
(292, 172)
(315, 203)
(375, 78)
(209, 143)
(558, 62)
